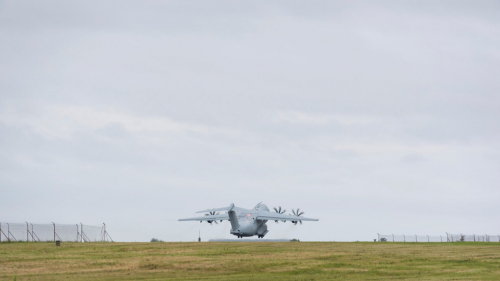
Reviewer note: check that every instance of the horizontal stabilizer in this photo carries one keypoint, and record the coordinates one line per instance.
(218, 209)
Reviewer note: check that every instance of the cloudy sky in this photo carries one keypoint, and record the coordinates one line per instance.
(375, 117)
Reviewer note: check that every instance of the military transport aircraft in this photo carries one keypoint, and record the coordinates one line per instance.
(246, 222)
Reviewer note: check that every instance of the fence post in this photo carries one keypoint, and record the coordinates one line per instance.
(474, 235)
(8, 232)
(404, 238)
(54, 231)
(416, 239)
(0, 232)
(393, 238)
(428, 240)
(28, 233)
(378, 237)
(81, 232)
(32, 233)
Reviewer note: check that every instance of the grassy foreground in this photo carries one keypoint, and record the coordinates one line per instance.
(250, 261)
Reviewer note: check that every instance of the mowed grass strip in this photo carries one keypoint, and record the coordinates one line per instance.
(250, 261)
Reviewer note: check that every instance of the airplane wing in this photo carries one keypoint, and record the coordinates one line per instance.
(208, 218)
(275, 216)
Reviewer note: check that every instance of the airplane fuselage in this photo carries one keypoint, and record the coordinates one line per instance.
(244, 222)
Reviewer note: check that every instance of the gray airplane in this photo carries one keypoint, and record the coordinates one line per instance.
(249, 222)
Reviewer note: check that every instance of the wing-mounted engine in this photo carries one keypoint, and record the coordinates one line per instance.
(212, 214)
(297, 213)
(279, 211)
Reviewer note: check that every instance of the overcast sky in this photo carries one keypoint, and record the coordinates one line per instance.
(375, 117)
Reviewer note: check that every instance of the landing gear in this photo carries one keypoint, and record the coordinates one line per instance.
(261, 236)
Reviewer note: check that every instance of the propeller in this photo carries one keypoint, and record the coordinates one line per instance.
(297, 213)
(212, 214)
(279, 211)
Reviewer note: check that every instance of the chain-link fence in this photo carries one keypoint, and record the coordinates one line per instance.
(472, 238)
(53, 232)
(441, 238)
(410, 238)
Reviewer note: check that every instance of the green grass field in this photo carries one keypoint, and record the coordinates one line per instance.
(250, 261)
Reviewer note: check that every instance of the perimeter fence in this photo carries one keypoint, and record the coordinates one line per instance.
(33, 232)
(472, 238)
(441, 238)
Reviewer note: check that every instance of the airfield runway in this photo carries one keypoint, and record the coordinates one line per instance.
(250, 261)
